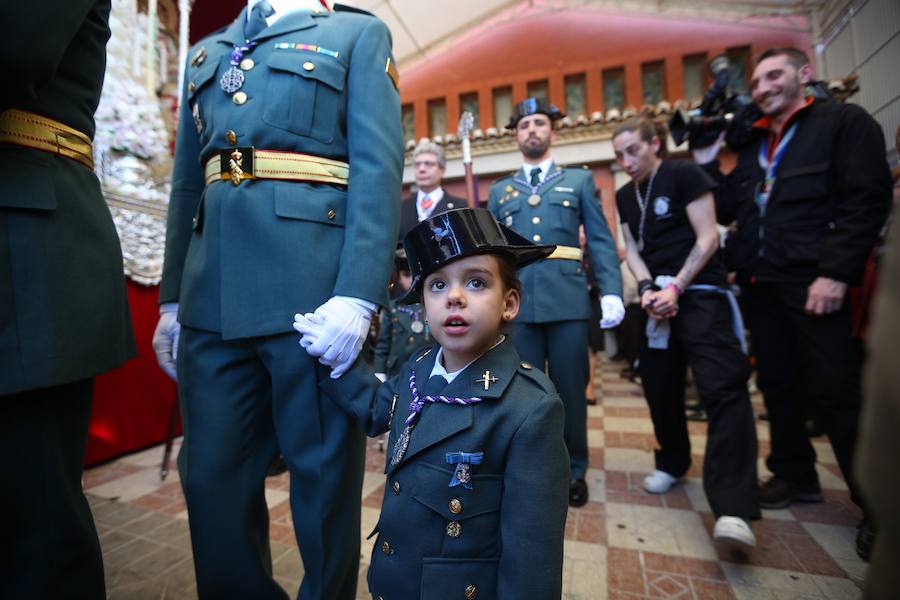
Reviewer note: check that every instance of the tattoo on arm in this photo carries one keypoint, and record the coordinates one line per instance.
(702, 215)
(694, 262)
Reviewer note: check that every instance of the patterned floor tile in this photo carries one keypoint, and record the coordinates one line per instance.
(662, 530)
(623, 544)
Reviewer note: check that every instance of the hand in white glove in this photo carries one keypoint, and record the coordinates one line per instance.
(612, 309)
(335, 332)
(165, 338)
(707, 154)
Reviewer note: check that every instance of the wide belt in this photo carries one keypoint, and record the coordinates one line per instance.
(237, 164)
(27, 129)
(567, 253)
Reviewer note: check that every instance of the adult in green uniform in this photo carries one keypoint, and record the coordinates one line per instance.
(63, 310)
(287, 169)
(547, 203)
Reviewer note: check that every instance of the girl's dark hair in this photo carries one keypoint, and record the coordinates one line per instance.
(509, 274)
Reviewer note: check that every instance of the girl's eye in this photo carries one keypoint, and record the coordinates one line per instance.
(436, 285)
(476, 283)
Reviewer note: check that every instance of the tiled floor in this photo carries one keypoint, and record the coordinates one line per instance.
(624, 544)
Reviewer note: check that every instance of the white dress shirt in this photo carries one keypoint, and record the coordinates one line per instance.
(436, 196)
(544, 166)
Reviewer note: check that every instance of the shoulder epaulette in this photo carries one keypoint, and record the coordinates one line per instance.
(537, 376)
(353, 9)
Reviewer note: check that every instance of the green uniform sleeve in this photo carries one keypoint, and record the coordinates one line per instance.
(375, 151)
(604, 258)
(187, 187)
(534, 505)
(359, 394)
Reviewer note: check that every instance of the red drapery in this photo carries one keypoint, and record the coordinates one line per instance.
(132, 404)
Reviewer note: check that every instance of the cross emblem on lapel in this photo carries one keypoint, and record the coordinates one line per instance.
(487, 379)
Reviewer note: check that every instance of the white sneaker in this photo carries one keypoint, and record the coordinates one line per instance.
(734, 529)
(658, 482)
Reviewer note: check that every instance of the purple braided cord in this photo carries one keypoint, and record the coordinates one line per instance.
(417, 403)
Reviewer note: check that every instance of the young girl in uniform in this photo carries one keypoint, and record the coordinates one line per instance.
(477, 470)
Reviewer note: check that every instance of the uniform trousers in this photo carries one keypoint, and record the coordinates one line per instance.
(562, 347)
(48, 543)
(702, 338)
(804, 358)
(243, 401)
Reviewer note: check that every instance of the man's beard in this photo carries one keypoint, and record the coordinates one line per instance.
(534, 150)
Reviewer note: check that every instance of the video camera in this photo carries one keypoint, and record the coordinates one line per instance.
(722, 109)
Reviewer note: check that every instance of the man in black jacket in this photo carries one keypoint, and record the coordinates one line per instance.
(809, 194)
(430, 199)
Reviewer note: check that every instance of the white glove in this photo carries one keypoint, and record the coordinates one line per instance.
(165, 338)
(709, 153)
(335, 332)
(612, 309)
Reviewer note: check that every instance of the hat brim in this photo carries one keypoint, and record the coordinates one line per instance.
(554, 115)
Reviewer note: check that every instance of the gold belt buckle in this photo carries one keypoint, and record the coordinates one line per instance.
(237, 163)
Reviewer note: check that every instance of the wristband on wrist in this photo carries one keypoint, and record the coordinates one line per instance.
(645, 285)
(675, 287)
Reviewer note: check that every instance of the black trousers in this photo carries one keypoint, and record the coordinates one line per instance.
(562, 346)
(804, 357)
(48, 543)
(702, 338)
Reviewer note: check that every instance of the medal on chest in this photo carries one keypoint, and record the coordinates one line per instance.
(233, 78)
(534, 199)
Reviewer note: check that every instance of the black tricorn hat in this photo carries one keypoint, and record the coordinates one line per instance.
(530, 106)
(457, 234)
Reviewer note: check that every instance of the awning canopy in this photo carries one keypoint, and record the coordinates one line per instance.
(423, 28)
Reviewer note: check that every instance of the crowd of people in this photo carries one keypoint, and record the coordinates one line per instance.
(481, 369)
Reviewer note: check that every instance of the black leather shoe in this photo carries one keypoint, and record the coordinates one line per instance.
(578, 493)
(780, 493)
(865, 540)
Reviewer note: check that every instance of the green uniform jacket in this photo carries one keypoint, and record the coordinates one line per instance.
(241, 260)
(556, 290)
(505, 535)
(63, 309)
(396, 339)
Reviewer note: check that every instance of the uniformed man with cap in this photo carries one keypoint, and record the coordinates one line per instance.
(287, 169)
(546, 203)
(63, 310)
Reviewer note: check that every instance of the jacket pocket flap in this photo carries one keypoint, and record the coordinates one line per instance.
(457, 503)
(513, 205)
(311, 66)
(319, 203)
(804, 170)
(199, 78)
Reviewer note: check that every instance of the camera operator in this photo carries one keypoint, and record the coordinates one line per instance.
(810, 193)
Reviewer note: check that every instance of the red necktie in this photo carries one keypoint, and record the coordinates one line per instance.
(427, 202)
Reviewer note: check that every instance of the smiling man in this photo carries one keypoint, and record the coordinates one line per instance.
(809, 195)
(546, 203)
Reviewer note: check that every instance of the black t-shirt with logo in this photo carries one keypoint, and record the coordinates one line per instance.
(668, 234)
